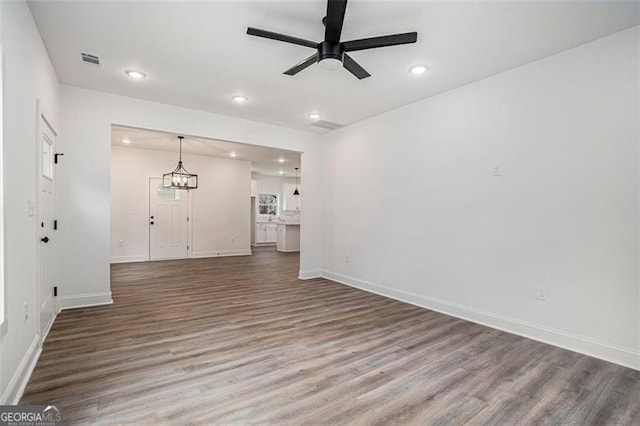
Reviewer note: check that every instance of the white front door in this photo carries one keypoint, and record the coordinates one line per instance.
(46, 232)
(168, 222)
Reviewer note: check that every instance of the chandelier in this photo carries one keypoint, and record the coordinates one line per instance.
(180, 178)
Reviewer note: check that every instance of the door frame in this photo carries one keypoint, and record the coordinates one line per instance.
(189, 223)
(42, 116)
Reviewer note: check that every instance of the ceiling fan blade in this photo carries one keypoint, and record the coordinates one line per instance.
(281, 37)
(302, 65)
(382, 41)
(335, 18)
(353, 67)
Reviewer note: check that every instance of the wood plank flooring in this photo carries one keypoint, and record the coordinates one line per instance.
(242, 341)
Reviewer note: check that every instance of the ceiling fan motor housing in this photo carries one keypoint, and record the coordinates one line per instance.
(328, 50)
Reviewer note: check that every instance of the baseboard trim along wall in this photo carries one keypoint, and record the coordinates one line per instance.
(128, 259)
(220, 253)
(20, 378)
(195, 254)
(85, 300)
(308, 275)
(598, 349)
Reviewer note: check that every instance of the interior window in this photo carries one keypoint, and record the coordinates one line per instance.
(268, 204)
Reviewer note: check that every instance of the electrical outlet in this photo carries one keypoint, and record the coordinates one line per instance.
(495, 170)
(120, 243)
(26, 311)
(347, 258)
(541, 293)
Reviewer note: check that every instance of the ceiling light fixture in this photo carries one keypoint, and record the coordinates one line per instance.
(239, 99)
(296, 192)
(180, 178)
(314, 115)
(330, 64)
(126, 141)
(281, 172)
(136, 75)
(233, 154)
(280, 160)
(418, 69)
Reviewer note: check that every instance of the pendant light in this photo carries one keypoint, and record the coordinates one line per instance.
(296, 192)
(180, 178)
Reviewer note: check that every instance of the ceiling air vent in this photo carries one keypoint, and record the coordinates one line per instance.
(88, 58)
(326, 124)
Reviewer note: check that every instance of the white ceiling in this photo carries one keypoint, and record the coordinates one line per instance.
(196, 54)
(265, 161)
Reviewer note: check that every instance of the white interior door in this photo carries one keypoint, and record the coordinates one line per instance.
(168, 222)
(46, 235)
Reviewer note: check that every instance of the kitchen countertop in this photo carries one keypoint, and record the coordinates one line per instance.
(278, 222)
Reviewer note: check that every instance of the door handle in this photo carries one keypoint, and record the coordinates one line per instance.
(45, 239)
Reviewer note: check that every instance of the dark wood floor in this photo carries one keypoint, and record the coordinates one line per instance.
(243, 341)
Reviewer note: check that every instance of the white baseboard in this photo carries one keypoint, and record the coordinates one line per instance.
(127, 259)
(585, 345)
(220, 253)
(194, 255)
(15, 389)
(48, 327)
(85, 300)
(307, 275)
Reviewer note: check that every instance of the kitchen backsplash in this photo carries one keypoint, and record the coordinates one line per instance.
(291, 216)
(288, 216)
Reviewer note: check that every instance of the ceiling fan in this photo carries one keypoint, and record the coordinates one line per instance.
(332, 53)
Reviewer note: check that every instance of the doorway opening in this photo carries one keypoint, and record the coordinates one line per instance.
(225, 216)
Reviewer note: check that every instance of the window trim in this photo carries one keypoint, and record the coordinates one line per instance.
(261, 204)
(3, 270)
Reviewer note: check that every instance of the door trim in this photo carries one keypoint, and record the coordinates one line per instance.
(148, 214)
(42, 116)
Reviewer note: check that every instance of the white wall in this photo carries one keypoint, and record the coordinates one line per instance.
(431, 224)
(86, 119)
(221, 219)
(28, 75)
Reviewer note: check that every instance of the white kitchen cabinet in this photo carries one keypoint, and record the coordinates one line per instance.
(271, 232)
(290, 201)
(288, 239)
(280, 243)
(266, 233)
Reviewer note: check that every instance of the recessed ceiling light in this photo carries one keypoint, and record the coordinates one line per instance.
(136, 75)
(314, 115)
(418, 69)
(280, 160)
(232, 154)
(239, 99)
(126, 141)
(281, 172)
